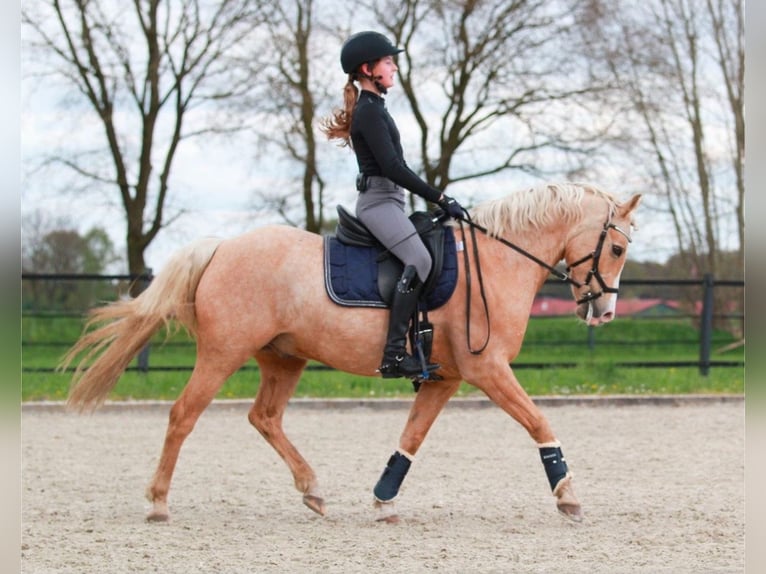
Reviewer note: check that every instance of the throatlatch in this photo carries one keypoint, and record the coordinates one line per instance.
(554, 462)
(393, 476)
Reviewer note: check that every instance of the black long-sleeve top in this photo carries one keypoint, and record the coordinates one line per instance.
(378, 147)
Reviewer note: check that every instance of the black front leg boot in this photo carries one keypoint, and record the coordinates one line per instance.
(396, 362)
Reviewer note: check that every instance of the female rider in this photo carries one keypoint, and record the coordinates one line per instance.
(366, 126)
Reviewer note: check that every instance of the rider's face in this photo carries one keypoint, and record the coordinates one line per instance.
(385, 71)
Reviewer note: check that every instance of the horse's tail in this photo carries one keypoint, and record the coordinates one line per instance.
(115, 333)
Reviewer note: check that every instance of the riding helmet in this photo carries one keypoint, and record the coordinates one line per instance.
(365, 47)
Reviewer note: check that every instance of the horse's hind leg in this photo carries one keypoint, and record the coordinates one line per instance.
(210, 373)
(279, 378)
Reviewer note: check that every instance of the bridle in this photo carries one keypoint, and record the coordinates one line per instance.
(564, 276)
(595, 255)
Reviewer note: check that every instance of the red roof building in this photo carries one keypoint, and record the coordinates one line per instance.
(552, 306)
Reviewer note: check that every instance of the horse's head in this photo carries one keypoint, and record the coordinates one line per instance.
(595, 256)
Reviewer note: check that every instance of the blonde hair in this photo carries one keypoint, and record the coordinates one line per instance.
(338, 125)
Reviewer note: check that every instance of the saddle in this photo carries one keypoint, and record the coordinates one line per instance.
(359, 271)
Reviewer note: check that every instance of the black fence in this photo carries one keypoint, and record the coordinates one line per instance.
(708, 302)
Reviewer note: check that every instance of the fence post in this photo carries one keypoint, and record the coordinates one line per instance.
(143, 354)
(706, 324)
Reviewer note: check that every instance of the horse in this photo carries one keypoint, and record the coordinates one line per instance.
(261, 295)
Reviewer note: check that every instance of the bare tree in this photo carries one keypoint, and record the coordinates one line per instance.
(677, 68)
(728, 25)
(290, 102)
(499, 74)
(149, 70)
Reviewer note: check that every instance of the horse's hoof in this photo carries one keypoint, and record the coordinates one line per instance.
(156, 516)
(571, 511)
(386, 512)
(315, 503)
(567, 502)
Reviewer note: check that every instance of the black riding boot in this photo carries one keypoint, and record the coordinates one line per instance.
(396, 362)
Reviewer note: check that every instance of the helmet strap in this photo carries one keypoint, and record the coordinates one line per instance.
(374, 79)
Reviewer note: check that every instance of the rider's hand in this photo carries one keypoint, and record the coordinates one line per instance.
(451, 206)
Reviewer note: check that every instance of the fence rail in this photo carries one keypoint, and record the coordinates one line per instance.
(705, 317)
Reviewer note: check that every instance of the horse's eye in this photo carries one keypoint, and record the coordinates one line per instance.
(618, 250)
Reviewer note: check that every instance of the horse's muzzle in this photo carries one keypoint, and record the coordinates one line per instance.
(594, 312)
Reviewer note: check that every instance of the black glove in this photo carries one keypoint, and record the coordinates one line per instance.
(451, 206)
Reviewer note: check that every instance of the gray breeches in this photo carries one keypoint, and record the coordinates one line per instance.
(381, 209)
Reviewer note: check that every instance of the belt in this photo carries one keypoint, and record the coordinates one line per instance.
(365, 182)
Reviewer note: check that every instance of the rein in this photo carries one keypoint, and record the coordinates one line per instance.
(564, 276)
(473, 226)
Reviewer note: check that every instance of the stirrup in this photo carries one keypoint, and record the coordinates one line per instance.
(405, 366)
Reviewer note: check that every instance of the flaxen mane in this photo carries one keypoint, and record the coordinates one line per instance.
(535, 207)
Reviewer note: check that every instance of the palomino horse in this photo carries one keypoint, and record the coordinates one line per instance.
(262, 295)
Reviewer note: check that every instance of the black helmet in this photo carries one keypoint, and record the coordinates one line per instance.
(365, 47)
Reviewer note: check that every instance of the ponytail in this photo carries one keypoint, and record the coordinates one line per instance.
(338, 125)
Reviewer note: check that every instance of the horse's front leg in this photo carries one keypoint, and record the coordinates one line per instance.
(279, 378)
(428, 403)
(502, 387)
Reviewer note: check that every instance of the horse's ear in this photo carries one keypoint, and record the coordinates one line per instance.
(626, 208)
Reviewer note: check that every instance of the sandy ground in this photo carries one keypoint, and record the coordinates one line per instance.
(661, 487)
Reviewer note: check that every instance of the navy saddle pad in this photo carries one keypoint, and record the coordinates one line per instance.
(351, 274)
